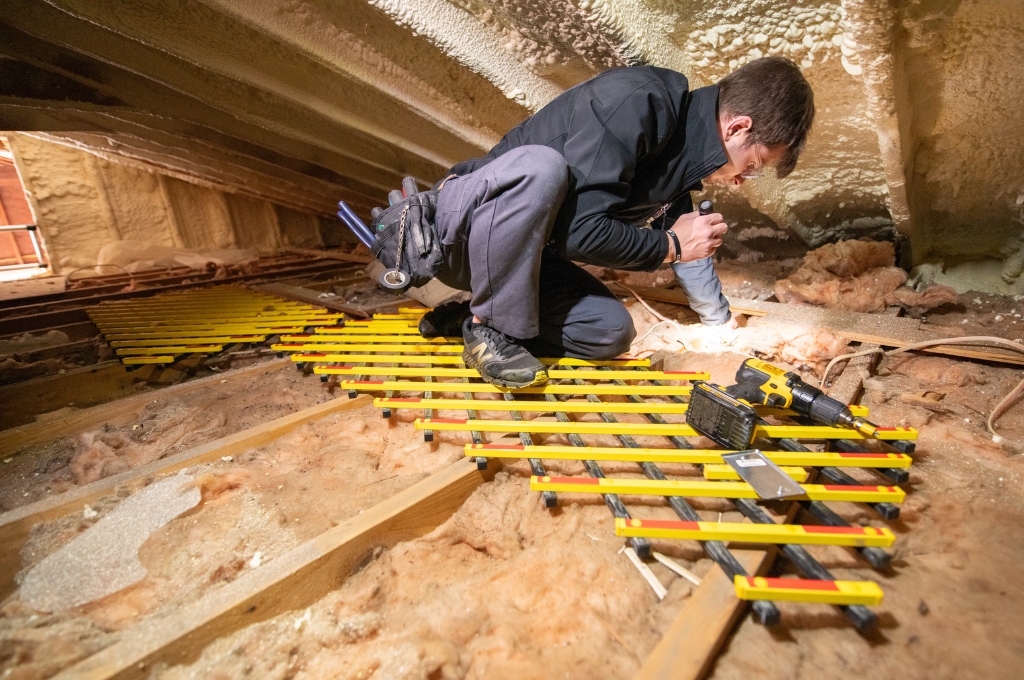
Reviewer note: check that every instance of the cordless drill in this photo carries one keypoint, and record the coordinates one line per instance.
(758, 382)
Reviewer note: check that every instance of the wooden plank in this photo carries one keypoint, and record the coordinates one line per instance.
(16, 292)
(333, 255)
(21, 402)
(880, 329)
(49, 428)
(847, 387)
(691, 644)
(75, 331)
(16, 524)
(91, 286)
(293, 581)
(312, 297)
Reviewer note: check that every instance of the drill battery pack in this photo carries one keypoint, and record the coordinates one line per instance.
(721, 418)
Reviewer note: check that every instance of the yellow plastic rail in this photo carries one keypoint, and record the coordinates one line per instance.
(674, 487)
(745, 532)
(652, 429)
(806, 590)
(694, 456)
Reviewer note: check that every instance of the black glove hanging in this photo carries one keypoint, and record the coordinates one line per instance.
(406, 241)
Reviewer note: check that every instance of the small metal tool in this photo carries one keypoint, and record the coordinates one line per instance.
(766, 478)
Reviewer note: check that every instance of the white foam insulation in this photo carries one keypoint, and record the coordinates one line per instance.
(298, 103)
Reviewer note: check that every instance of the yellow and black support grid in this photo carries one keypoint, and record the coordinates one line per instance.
(201, 321)
(419, 369)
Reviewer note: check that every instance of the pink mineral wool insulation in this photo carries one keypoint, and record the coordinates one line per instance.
(857, 276)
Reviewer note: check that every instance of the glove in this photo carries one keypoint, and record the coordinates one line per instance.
(408, 224)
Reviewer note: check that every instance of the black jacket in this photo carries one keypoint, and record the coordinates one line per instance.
(637, 142)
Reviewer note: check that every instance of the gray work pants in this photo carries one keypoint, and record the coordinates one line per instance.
(495, 224)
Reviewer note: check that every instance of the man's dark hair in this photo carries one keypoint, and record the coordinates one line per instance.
(779, 101)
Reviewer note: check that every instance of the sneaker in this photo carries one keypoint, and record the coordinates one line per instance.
(445, 321)
(500, 359)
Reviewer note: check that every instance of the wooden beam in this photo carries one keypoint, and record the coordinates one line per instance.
(46, 429)
(293, 581)
(880, 329)
(332, 254)
(849, 384)
(333, 302)
(691, 644)
(22, 402)
(16, 524)
(85, 330)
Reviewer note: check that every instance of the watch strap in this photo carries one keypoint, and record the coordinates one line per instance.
(675, 242)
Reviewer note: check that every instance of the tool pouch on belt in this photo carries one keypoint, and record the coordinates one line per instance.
(405, 235)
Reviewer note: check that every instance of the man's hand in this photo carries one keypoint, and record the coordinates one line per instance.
(699, 236)
(716, 338)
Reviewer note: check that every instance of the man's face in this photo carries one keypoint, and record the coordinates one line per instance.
(744, 158)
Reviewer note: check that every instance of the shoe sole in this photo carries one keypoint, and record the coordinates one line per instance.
(540, 378)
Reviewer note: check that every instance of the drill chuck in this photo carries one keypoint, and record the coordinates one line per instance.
(865, 427)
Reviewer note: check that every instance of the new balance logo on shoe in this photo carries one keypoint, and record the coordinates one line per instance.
(478, 353)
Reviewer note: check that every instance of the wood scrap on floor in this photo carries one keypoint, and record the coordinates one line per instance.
(927, 399)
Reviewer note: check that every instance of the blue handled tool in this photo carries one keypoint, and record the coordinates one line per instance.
(356, 225)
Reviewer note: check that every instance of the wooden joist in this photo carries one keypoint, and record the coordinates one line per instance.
(293, 581)
(81, 387)
(691, 644)
(47, 428)
(328, 300)
(333, 255)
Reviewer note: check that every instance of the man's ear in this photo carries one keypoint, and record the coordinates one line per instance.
(737, 125)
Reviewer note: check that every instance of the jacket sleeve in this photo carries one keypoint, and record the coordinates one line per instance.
(613, 125)
(703, 289)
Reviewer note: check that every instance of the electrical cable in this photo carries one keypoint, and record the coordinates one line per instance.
(1003, 404)
(998, 411)
(663, 320)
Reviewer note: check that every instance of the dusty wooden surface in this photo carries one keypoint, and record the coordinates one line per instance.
(849, 384)
(333, 255)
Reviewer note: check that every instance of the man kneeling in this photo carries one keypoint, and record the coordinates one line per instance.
(602, 175)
